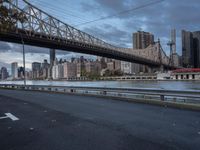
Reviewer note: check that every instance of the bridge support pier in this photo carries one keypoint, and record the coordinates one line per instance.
(161, 69)
(157, 69)
(150, 70)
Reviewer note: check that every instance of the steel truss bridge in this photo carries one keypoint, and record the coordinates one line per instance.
(25, 23)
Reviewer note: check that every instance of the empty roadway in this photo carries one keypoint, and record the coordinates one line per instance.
(64, 121)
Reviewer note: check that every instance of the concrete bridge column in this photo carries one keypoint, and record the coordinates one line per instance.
(150, 69)
(161, 69)
(190, 77)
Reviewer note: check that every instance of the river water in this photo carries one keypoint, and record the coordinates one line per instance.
(168, 85)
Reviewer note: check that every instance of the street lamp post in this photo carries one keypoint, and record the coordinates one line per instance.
(24, 65)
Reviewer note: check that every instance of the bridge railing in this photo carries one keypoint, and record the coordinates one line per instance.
(188, 96)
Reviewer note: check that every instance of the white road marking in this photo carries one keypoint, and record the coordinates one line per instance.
(4, 117)
(11, 116)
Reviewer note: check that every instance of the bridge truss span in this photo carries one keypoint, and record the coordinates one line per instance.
(36, 27)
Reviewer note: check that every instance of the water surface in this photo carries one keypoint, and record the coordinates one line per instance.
(168, 85)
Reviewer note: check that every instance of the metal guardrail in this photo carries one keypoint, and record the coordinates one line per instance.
(135, 93)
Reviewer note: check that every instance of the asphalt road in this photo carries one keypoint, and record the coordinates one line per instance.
(68, 122)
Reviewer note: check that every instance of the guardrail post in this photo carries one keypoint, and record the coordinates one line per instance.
(162, 97)
(119, 94)
(104, 92)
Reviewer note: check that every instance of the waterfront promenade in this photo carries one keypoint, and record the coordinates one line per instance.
(61, 121)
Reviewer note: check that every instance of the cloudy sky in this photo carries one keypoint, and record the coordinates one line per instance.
(158, 19)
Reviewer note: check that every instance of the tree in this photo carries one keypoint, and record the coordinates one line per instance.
(9, 17)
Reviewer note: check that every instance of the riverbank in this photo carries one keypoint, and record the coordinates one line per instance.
(167, 85)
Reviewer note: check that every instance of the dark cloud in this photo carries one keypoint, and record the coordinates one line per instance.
(111, 34)
(111, 5)
(4, 47)
(158, 19)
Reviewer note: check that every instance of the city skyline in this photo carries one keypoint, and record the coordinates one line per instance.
(75, 68)
(115, 26)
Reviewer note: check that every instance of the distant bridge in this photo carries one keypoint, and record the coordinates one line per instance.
(25, 22)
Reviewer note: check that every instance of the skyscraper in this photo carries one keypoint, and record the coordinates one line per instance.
(52, 56)
(21, 72)
(191, 49)
(196, 46)
(14, 70)
(69, 70)
(57, 71)
(142, 40)
(4, 73)
(130, 68)
(45, 64)
(173, 40)
(36, 67)
(174, 57)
